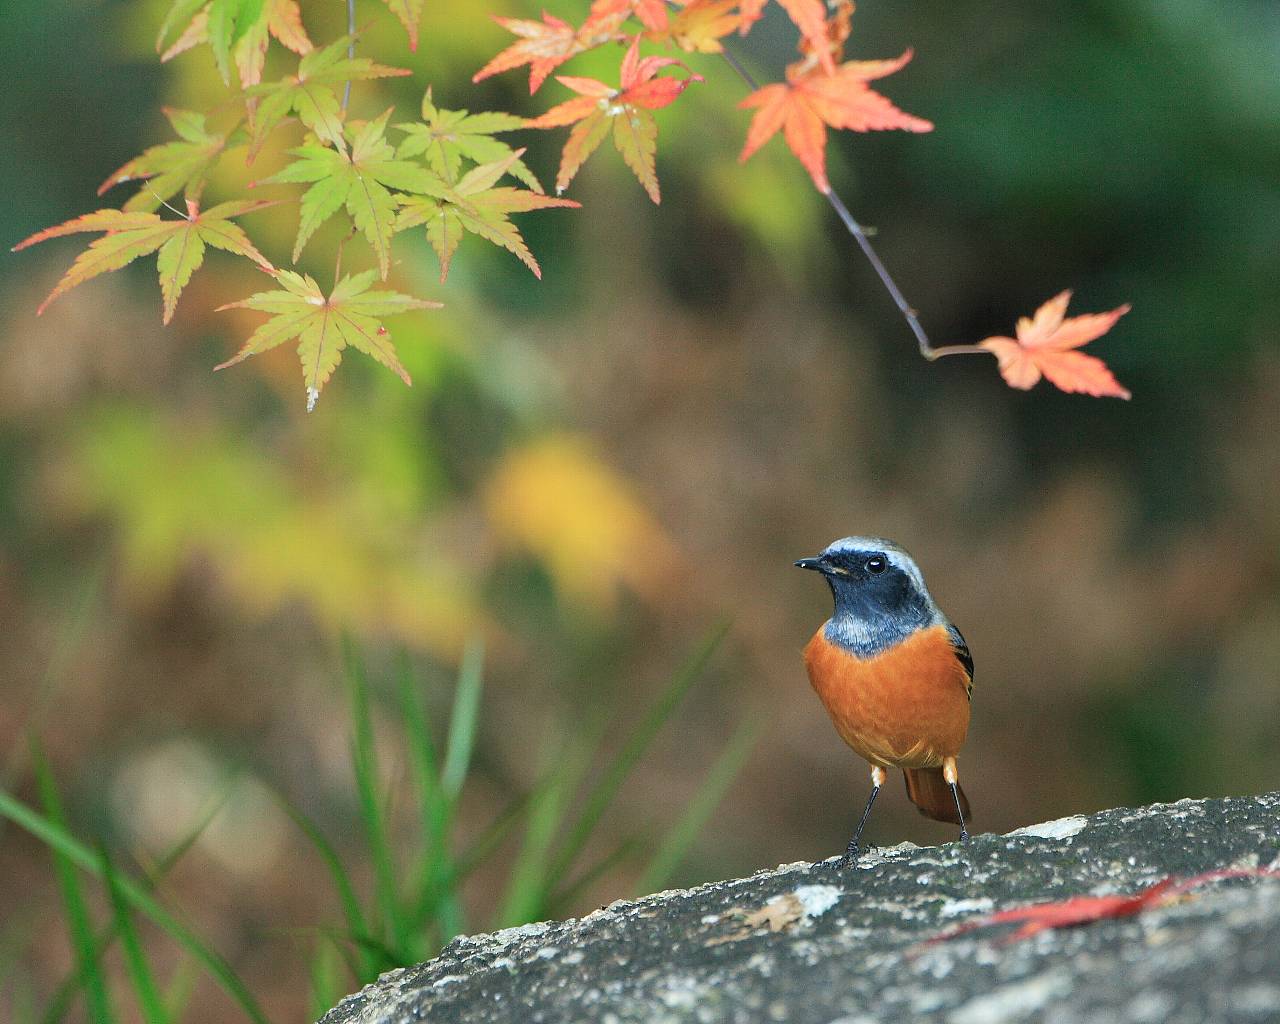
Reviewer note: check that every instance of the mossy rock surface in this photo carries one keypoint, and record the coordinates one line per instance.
(816, 944)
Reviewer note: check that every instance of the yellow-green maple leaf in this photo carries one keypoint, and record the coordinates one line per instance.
(325, 325)
(237, 32)
(173, 167)
(409, 12)
(474, 204)
(312, 93)
(445, 137)
(179, 244)
(360, 180)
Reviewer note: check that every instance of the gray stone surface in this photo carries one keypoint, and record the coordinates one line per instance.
(814, 943)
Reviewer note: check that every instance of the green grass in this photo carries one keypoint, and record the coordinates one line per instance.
(419, 863)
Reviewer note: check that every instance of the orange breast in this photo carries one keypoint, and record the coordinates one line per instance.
(903, 708)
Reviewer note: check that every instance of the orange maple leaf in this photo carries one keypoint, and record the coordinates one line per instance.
(1045, 345)
(651, 13)
(628, 109)
(810, 17)
(545, 45)
(813, 99)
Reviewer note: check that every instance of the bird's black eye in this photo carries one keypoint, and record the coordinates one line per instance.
(876, 565)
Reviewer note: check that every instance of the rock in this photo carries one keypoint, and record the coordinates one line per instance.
(815, 943)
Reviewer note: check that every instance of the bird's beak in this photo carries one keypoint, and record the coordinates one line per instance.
(810, 563)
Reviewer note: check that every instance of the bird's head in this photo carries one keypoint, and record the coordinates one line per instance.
(872, 578)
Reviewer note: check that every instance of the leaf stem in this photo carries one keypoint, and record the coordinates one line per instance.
(927, 349)
(351, 51)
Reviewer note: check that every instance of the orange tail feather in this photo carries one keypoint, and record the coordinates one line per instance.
(928, 790)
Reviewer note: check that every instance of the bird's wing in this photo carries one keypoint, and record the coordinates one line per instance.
(961, 650)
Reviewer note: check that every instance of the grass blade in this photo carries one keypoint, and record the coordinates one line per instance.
(60, 1003)
(430, 879)
(326, 984)
(177, 994)
(526, 882)
(611, 780)
(677, 841)
(144, 986)
(364, 763)
(356, 924)
(463, 720)
(58, 838)
(97, 1004)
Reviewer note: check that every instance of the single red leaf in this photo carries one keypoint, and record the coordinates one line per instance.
(1045, 347)
(813, 99)
(1080, 910)
(626, 110)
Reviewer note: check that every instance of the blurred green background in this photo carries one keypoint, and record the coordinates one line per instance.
(591, 470)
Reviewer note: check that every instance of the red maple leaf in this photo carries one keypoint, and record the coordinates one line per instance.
(1045, 346)
(628, 109)
(1080, 910)
(545, 45)
(813, 99)
(651, 13)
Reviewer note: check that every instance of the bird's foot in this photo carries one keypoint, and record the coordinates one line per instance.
(964, 835)
(851, 855)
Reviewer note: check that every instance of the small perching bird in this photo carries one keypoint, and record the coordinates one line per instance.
(895, 675)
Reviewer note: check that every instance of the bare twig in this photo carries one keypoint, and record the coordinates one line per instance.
(927, 349)
(351, 50)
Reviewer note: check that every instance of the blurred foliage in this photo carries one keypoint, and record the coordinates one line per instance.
(590, 468)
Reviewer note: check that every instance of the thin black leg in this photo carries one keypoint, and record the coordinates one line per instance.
(853, 850)
(964, 832)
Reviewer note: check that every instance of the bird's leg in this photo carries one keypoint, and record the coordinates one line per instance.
(853, 850)
(952, 776)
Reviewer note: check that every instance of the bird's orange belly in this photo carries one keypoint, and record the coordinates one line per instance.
(906, 707)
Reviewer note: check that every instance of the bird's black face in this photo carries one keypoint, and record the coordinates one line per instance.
(866, 583)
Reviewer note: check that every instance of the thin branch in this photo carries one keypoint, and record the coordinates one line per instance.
(351, 51)
(859, 234)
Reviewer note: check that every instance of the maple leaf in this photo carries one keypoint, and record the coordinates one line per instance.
(445, 137)
(752, 11)
(1045, 346)
(628, 110)
(312, 93)
(174, 167)
(130, 234)
(699, 26)
(237, 32)
(360, 180)
(410, 13)
(813, 99)
(545, 45)
(474, 204)
(325, 325)
(1081, 910)
(652, 14)
(810, 17)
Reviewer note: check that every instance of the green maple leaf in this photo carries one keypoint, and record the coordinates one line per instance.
(360, 180)
(445, 137)
(474, 204)
(237, 32)
(409, 12)
(324, 326)
(312, 93)
(173, 167)
(179, 244)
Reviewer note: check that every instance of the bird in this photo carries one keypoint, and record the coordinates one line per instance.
(895, 675)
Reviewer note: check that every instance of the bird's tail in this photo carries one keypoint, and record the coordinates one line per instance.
(929, 791)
